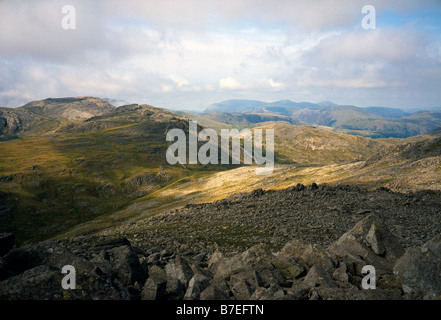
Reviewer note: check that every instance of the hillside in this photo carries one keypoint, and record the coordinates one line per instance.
(83, 169)
(93, 173)
(46, 115)
(373, 122)
(351, 160)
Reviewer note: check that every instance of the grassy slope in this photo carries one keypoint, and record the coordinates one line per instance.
(55, 181)
(209, 186)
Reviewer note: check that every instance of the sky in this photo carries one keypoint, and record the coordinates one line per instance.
(188, 54)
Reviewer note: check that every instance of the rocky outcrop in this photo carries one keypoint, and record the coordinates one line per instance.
(117, 270)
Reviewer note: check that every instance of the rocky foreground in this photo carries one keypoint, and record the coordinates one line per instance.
(115, 270)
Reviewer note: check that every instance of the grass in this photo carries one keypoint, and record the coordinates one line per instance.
(59, 181)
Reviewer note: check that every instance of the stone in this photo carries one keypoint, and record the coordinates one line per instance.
(340, 275)
(289, 268)
(240, 288)
(174, 289)
(273, 292)
(215, 258)
(373, 238)
(196, 285)
(317, 277)
(420, 270)
(212, 292)
(111, 244)
(312, 255)
(179, 269)
(126, 264)
(328, 293)
(154, 289)
(102, 261)
(369, 242)
(257, 258)
(43, 282)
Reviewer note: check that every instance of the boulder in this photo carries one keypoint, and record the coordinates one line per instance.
(369, 242)
(154, 289)
(420, 270)
(311, 254)
(178, 268)
(240, 288)
(44, 253)
(102, 261)
(318, 277)
(289, 267)
(257, 258)
(44, 283)
(196, 285)
(174, 289)
(212, 292)
(126, 264)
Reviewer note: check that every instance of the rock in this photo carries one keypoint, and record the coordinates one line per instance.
(273, 292)
(240, 288)
(157, 271)
(179, 269)
(44, 283)
(256, 262)
(111, 244)
(102, 261)
(258, 258)
(127, 266)
(174, 289)
(289, 268)
(375, 241)
(328, 293)
(6, 242)
(340, 275)
(369, 242)
(196, 285)
(312, 255)
(318, 277)
(215, 258)
(154, 289)
(257, 192)
(43, 253)
(212, 292)
(420, 270)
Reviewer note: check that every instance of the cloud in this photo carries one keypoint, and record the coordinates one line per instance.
(180, 82)
(230, 83)
(177, 52)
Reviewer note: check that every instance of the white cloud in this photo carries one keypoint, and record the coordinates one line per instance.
(230, 83)
(180, 82)
(201, 49)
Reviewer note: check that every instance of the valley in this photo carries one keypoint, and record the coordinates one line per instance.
(85, 180)
(83, 165)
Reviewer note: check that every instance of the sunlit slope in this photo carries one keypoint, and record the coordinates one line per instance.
(391, 166)
(86, 169)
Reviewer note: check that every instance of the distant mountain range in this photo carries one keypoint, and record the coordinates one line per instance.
(374, 122)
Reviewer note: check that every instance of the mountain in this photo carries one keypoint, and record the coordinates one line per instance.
(83, 168)
(246, 119)
(251, 105)
(373, 122)
(14, 122)
(46, 115)
(91, 180)
(235, 106)
(389, 113)
(77, 108)
(308, 146)
(116, 102)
